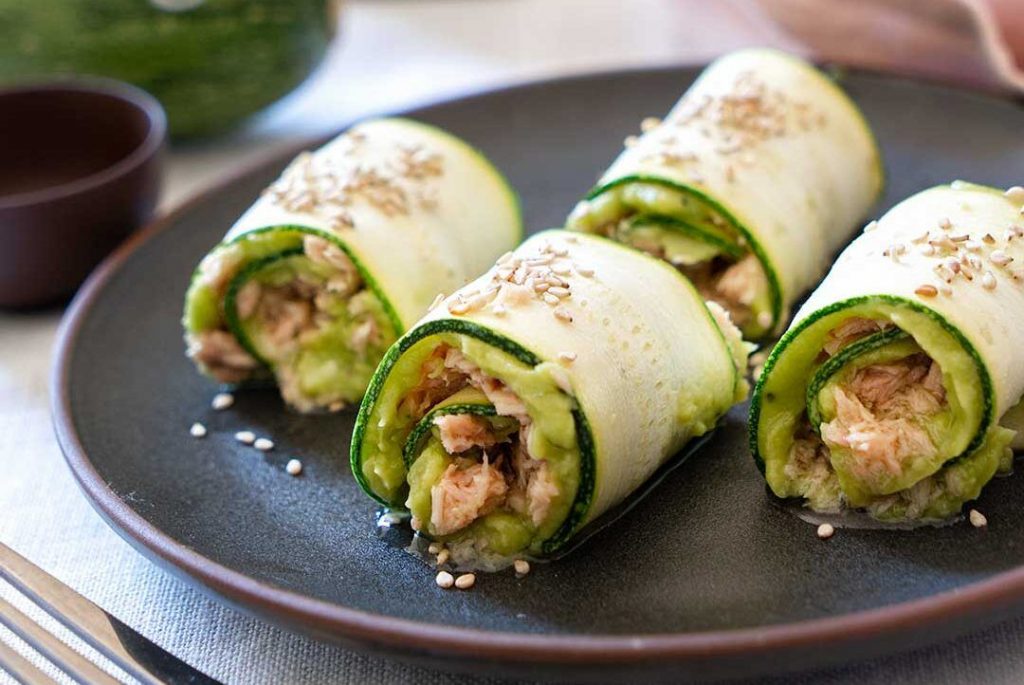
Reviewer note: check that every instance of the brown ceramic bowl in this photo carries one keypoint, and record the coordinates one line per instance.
(79, 170)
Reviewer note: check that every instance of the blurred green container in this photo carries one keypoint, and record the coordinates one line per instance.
(211, 63)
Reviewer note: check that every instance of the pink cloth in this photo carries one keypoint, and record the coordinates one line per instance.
(972, 41)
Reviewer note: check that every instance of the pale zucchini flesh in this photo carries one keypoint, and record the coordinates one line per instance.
(959, 321)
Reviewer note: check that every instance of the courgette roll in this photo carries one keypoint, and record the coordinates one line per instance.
(341, 255)
(540, 395)
(752, 182)
(887, 393)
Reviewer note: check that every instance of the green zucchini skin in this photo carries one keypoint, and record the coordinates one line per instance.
(585, 492)
(211, 63)
(423, 427)
(440, 210)
(674, 334)
(757, 398)
(964, 319)
(833, 364)
(458, 326)
(827, 175)
(771, 273)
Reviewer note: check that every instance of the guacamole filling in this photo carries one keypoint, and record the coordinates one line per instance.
(689, 233)
(478, 446)
(291, 305)
(888, 417)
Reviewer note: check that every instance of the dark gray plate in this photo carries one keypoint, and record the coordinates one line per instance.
(705, 576)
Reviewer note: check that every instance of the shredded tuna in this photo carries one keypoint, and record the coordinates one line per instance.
(528, 486)
(464, 495)
(877, 414)
(461, 432)
(505, 402)
(850, 330)
(739, 283)
(222, 356)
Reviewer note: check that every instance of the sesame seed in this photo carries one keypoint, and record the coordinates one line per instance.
(563, 315)
(926, 290)
(263, 444)
(559, 291)
(871, 225)
(550, 299)
(222, 400)
(245, 437)
(978, 519)
(522, 567)
(945, 224)
(649, 124)
(458, 307)
(434, 547)
(630, 141)
(444, 580)
(988, 238)
(764, 319)
(988, 281)
(442, 557)
(973, 245)
(584, 271)
(1000, 258)
(541, 286)
(946, 290)
(826, 530)
(498, 310)
(465, 581)
(293, 467)
(1015, 195)
(197, 430)
(567, 356)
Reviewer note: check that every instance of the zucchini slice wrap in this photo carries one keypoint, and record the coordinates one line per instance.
(340, 255)
(894, 391)
(751, 183)
(537, 397)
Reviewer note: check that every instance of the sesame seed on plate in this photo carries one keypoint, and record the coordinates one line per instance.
(630, 141)
(945, 224)
(222, 400)
(563, 315)
(522, 567)
(197, 430)
(764, 319)
(465, 581)
(444, 580)
(245, 437)
(293, 467)
(926, 290)
(988, 281)
(567, 356)
(978, 519)
(826, 530)
(263, 444)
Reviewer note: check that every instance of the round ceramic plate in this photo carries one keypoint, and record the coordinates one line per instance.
(707, 575)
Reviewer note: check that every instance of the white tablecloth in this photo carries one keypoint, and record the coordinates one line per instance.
(392, 54)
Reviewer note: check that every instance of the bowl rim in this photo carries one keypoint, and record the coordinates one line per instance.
(125, 94)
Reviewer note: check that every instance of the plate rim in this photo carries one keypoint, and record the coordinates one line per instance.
(982, 598)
